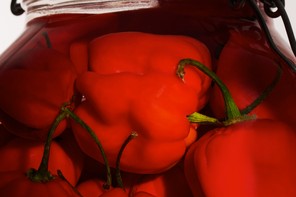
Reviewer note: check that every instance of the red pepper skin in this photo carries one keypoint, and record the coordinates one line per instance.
(33, 88)
(78, 53)
(247, 67)
(74, 157)
(247, 159)
(21, 155)
(171, 183)
(114, 192)
(91, 187)
(132, 85)
(5, 135)
(143, 194)
(16, 184)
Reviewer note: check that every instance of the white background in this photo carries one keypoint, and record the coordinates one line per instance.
(12, 26)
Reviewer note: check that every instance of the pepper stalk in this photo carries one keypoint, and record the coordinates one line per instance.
(233, 114)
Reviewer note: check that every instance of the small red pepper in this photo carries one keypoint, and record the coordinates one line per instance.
(33, 88)
(251, 158)
(16, 183)
(243, 157)
(21, 155)
(248, 68)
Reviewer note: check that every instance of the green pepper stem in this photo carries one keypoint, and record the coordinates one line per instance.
(125, 143)
(232, 110)
(265, 93)
(42, 174)
(202, 119)
(60, 174)
(93, 135)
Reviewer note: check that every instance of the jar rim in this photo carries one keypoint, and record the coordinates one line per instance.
(40, 8)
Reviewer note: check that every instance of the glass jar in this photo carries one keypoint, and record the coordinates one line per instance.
(65, 28)
(69, 48)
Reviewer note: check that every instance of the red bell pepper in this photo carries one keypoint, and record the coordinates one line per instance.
(131, 85)
(33, 88)
(245, 157)
(248, 67)
(21, 155)
(16, 183)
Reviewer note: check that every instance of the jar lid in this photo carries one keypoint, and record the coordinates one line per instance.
(39, 8)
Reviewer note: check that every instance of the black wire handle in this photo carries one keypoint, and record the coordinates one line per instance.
(16, 8)
(269, 5)
(281, 9)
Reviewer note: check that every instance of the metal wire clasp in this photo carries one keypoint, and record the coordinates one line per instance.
(273, 9)
(16, 8)
(269, 5)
